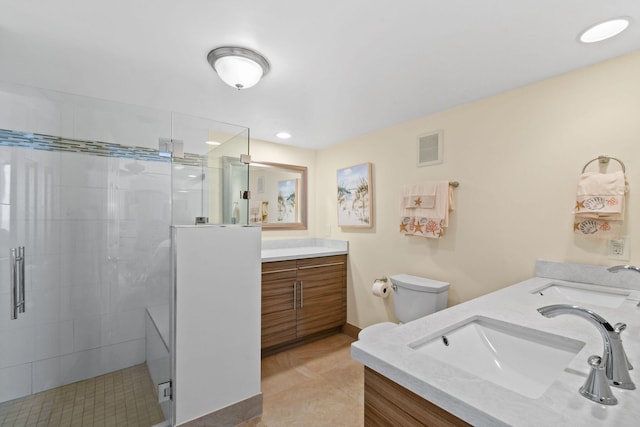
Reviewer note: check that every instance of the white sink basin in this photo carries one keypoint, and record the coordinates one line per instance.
(585, 294)
(520, 359)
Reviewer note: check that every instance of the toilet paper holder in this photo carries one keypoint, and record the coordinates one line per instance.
(384, 279)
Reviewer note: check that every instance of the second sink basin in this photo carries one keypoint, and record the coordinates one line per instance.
(520, 359)
(585, 294)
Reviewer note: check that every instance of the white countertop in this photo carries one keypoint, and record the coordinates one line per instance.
(482, 403)
(288, 249)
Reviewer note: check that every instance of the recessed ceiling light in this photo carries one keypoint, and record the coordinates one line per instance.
(283, 135)
(213, 142)
(604, 30)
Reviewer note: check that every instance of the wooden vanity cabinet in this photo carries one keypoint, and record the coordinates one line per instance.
(387, 403)
(302, 298)
(279, 306)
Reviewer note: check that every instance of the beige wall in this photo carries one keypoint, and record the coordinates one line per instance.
(517, 157)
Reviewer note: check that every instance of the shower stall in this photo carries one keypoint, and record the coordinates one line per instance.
(88, 192)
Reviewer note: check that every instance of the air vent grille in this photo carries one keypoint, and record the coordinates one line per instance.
(430, 149)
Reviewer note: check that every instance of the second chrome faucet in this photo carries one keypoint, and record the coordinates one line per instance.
(614, 358)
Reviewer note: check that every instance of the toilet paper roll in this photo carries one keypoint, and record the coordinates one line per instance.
(380, 289)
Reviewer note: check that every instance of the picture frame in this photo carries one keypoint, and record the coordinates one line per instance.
(355, 196)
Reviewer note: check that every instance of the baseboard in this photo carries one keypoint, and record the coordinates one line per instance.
(232, 415)
(351, 330)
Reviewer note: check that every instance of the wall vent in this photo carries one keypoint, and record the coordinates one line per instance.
(430, 149)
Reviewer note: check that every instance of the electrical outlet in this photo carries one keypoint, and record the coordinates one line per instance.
(619, 249)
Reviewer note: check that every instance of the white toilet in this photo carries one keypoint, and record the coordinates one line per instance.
(413, 297)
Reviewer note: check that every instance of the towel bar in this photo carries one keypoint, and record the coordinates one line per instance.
(454, 184)
(604, 160)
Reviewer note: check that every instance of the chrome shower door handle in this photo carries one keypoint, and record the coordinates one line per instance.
(22, 297)
(13, 274)
(16, 272)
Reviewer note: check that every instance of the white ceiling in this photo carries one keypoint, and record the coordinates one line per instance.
(339, 68)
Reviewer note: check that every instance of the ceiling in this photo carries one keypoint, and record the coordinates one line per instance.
(339, 68)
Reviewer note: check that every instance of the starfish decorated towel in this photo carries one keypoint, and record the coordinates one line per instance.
(424, 209)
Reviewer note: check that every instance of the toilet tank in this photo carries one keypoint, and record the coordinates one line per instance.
(416, 297)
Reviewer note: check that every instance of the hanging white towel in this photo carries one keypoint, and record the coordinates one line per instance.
(420, 196)
(418, 220)
(600, 203)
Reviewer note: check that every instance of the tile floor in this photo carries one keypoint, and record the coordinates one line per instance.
(121, 398)
(317, 384)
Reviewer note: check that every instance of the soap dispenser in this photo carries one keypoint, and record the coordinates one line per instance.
(235, 213)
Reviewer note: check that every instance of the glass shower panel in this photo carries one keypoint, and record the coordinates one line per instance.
(84, 191)
(235, 179)
(198, 170)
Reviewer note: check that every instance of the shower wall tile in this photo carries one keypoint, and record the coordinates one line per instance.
(5, 175)
(57, 371)
(4, 273)
(81, 170)
(15, 382)
(33, 179)
(88, 299)
(38, 237)
(127, 326)
(44, 238)
(84, 203)
(34, 112)
(53, 339)
(98, 331)
(83, 237)
(130, 294)
(90, 332)
(17, 346)
(43, 272)
(52, 304)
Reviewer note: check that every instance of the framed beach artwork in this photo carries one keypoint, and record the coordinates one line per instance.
(355, 196)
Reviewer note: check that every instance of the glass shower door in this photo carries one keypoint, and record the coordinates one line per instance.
(93, 217)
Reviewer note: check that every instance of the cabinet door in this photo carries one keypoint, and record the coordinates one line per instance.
(278, 302)
(322, 294)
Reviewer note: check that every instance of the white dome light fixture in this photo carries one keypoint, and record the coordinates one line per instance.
(604, 30)
(238, 67)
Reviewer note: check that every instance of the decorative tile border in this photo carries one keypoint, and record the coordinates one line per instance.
(10, 138)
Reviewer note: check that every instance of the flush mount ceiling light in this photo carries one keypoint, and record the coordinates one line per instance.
(283, 135)
(237, 66)
(604, 30)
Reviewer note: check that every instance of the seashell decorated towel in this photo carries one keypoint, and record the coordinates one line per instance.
(599, 210)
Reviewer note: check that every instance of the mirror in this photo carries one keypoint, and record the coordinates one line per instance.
(278, 196)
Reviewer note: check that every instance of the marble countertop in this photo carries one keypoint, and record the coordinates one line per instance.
(483, 403)
(288, 249)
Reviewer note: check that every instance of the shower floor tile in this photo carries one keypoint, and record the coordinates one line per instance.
(122, 398)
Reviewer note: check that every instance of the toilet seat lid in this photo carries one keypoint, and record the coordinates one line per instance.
(419, 283)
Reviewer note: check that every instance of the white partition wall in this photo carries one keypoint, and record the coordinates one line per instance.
(217, 321)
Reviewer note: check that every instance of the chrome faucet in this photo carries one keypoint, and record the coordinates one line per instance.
(614, 358)
(617, 268)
